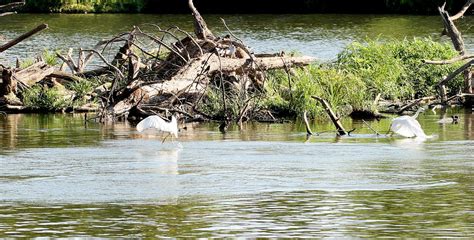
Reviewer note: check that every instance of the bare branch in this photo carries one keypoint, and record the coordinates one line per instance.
(200, 26)
(24, 36)
(460, 14)
(450, 61)
(457, 72)
(11, 6)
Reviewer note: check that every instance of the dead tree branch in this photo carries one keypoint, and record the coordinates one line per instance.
(335, 120)
(23, 37)
(461, 13)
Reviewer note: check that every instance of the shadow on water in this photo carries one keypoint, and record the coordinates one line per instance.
(62, 178)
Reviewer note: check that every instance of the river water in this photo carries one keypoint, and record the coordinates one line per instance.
(60, 177)
(321, 36)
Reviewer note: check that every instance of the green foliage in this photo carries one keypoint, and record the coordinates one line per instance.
(81, 6)
(26, 63)
(49, 57)
(374, 63)
(46, 99)
(424, 77)
(82, 90)
(395, 69)
(362, 71)
(343, 91)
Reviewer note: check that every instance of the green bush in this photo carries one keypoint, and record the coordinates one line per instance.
(343, 91)
(82, 90)
(393, 69)
(46, 99)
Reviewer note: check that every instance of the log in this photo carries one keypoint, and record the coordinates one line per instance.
(209, 64)
(463, 10)
(200, 27)
(6, 14)
(456, 72)
(452, 31)
(34, 73)
(415, 102)
(306, 124)
(23, 37)
(335, 120)
(11, 6)
(65, 76)
(449, 61)
(9, 84)
(187, 78)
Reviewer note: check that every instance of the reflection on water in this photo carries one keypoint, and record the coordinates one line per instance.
(60, 177)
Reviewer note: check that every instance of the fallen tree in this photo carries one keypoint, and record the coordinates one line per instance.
(162, 70)
(180, 80)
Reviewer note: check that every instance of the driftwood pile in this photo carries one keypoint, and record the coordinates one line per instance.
(168, 70)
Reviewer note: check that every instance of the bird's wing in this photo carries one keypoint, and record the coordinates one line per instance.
(152, 122)
(401, 126)
(416, 128)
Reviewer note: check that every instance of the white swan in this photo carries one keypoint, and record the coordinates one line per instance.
(408, 126)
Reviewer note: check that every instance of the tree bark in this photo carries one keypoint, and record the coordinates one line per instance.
(335, 120)
(23, 37)
(9, 84)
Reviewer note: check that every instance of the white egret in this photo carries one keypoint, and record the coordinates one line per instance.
(160, 124)
(408, 126)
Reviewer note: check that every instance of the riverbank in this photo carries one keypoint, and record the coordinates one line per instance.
(245, 6)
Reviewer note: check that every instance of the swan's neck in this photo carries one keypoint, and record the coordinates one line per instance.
(417, 113)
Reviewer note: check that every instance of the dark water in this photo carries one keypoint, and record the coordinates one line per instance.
(321, 36)
(62, 178)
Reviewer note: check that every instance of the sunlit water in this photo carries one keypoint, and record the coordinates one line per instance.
(60, 177)
(318, 35)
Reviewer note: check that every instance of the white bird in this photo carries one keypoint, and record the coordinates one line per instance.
(453, 119)
(408, 126)
(160, 124)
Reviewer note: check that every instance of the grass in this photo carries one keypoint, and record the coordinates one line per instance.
(46, 99)
(361, 71)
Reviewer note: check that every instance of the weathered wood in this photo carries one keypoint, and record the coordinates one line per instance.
(210, 63)
(34, 73)
(188, 78)
(64, 76)
(335, 120)
(443, 93)
(415, 102)
(306, 124)
(11, 6)
(463, 10)
(456, 72)
(449, 61)
(6, 14)
(200, 27)
(23, 37)
(452, 31)
(9, 84)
